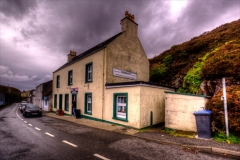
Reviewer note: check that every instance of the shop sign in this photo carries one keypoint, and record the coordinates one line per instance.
(74, 90)
(124, 74)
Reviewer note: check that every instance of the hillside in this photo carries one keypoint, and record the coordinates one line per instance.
(197, 66)
(5, 89)
(11, 94)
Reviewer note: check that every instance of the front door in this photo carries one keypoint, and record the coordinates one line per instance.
(60, 101)
(74, 98)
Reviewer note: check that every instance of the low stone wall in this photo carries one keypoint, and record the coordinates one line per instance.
(179, 109)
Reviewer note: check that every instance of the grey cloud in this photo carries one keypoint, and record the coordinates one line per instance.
(33, 30)
(193, 21)
(17, 8)
(56, 27)
(200, 13)
(89, 23)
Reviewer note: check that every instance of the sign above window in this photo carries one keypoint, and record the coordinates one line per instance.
(74, 90)
(124, 74)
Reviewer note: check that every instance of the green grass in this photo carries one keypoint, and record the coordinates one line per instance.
(142, 130)
(178, 133)
(220, 137)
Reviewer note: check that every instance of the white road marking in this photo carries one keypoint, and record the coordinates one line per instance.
(37, 128)
(25, 121)
(49, 134)
(99, 156)
(22, 119)
(70, 143)
(29, 124)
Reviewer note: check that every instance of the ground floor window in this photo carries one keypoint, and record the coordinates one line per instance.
(88, 103)
(120, 106)
(45, 102)
(66, 105)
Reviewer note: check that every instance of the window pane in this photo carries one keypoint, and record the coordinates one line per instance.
(89, 107)
(89, 72)
(88, 103)
(121, 106)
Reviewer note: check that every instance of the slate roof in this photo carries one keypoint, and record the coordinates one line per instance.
(91, 51)
(47, 88)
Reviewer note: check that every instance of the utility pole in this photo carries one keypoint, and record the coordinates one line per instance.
(225, 106)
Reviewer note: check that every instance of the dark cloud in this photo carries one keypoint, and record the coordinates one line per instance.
(17, 8)
(87, 23)
(196, 18)
(198, 14)
(46, 30)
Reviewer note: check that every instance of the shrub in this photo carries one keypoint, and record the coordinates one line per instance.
(167, 59)
(224, 63)
(157, 72)
(183, 55)
(192, 80)
(233, 106)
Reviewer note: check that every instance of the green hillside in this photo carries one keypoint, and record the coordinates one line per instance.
(197, 66)
(209, 56)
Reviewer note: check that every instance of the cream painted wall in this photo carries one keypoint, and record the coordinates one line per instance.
(133, 105)
(126, 53)
(152, 99)
(179, 111)
(95, 87)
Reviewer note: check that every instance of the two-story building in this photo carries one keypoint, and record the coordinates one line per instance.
(110, 82)
(42, 95)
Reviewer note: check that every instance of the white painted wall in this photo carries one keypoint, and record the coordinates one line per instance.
(179, 109)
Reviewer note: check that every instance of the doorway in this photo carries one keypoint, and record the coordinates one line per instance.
(74, 97)
(60, 101)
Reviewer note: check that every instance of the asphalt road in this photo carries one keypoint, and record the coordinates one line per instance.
(52, 139)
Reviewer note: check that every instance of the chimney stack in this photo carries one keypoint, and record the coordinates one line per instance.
(71, 55)
(128, 24)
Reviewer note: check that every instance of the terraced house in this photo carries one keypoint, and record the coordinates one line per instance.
(110, 82)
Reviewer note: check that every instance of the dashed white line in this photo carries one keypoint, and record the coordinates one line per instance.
(25, 121)
(69, 143)
(29, 124)
(99, 156)
(37, 128)
(49, 134)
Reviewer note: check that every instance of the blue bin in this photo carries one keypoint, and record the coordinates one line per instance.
(203, 122)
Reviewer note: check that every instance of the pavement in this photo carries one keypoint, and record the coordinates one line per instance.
(159, 136)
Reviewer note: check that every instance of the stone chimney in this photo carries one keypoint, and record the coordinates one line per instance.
(71, 55)
(128, 25)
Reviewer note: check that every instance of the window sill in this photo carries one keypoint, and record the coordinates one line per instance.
(89, 113)
(88, 81)
(120, 119)
(70, 84)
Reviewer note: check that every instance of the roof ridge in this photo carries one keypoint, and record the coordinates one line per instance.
(90, 51)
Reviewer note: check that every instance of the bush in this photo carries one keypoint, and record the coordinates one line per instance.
(233, 105)
(157, 72)
(167, 59)
(224, 63)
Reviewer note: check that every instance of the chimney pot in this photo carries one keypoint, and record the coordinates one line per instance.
(71, 55)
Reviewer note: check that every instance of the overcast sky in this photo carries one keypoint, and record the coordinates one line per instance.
(36, 36)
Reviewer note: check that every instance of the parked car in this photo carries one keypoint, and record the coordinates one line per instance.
(32, 110)
(23, 102)
(22, 106)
